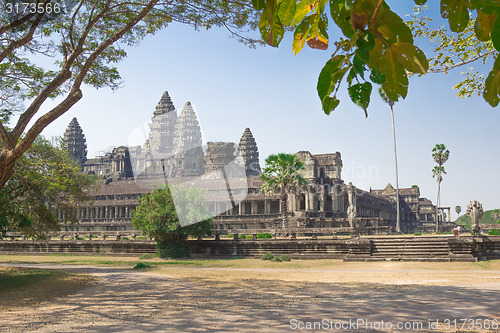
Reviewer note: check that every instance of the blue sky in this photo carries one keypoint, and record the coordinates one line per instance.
(274, 93)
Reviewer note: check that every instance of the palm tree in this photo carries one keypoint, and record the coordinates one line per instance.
(440, 155)
(281, 175)
(386, 99)
(458, 209)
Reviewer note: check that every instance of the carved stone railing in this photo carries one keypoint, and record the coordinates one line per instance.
(289, 232)
(82, 235)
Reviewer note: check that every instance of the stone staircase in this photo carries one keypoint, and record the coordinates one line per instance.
(415, 249)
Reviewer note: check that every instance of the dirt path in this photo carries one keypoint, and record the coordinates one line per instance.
(160, 301)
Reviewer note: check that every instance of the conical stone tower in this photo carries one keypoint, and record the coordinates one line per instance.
(187, 133)
(162, 127)
(75, 142)
(187, 143)
(248, 154)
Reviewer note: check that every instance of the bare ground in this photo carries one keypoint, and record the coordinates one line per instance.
(265, 300)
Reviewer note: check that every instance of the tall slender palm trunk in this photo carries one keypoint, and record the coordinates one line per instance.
(398, 218)
(438, 202)
(284, 210)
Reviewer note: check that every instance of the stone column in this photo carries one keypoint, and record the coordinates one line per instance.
(126, 211)
(267, 206)
(240, 208)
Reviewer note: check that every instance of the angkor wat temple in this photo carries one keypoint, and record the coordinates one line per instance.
(229, 175)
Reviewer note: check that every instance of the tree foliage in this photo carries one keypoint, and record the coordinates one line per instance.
(157, 216)
(84, 41)
(455, 50)
(282, 175)
(45, 178)
(377, 46)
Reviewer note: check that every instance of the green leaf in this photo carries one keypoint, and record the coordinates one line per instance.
(495, 34)
(420, 2)
(484, 25)
(258, 4)
(299, 35)
(328, 81)
(456, 12)
(396, 79)
(301, 10)
(286, 11)
(358, 65)
(341, 15)
(330, 75)
(376, 76)
(411, 57)
(392, 29)
(360, 95)
(492, 85)
(365, 44)
(329, 104)
(271, 29)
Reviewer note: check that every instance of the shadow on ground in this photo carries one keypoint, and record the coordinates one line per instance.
(125, 300)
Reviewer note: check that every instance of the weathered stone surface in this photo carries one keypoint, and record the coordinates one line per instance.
(75, 142)
(248, 153)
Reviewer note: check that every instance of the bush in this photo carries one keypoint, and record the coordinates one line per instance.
(229, 236)
(141, 265)
(284, 257)
(494, 232)
(242, 236)
(417, 234)
(174, 250)
(267, 256)
(263, 236)
(276, 259)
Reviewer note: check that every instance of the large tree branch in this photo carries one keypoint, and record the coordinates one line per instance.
(75, 94)
(93, 56)
(16, 23)
(62, 77)
(23, 41)
(37, 128)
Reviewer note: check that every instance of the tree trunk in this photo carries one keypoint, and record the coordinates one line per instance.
(284, 210)
(438, 203)
(398, 218)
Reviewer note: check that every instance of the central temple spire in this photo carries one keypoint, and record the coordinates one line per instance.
(164, 105)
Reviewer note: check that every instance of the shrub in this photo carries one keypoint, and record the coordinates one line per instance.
(229, 236)
(494, 232)
(242, 236)
(417, 234)
(284, 257)
(141, 265)
(276, 259)
(265, 235)
(267, 256)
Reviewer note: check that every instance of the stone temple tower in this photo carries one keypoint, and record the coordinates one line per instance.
(248, 154)
(75, 142)
(187, 143)
(162, 127)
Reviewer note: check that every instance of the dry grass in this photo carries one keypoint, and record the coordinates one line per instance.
(25, 286)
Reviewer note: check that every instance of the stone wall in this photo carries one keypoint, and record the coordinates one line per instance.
(349, 249)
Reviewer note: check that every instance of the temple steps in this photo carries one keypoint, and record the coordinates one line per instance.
(421, 249)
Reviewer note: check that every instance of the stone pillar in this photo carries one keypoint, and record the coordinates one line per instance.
(126, 211)
(253, 209)
(240, 208)
(267, 207)
(106, 212)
